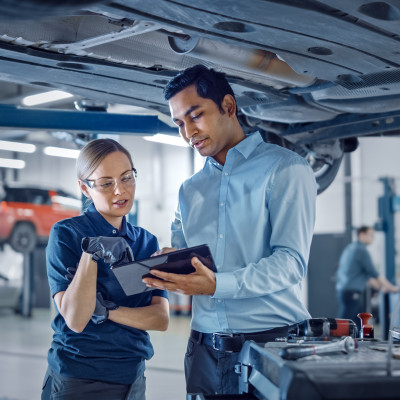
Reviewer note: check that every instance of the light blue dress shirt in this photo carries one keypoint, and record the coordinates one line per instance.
(257, 215)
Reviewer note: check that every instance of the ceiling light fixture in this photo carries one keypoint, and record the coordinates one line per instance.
(167, 139)
(9, 163)
(15, 146)
(61, 152)
(46, 97)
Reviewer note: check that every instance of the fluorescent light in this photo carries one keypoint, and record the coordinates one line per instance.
(61, 152)
(9, 163)
(46, 97)
(167, 139)
(15, 146)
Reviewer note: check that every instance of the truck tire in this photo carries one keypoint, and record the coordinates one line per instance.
(23, 238)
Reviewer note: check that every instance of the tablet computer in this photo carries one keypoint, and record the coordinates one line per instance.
(178, 262)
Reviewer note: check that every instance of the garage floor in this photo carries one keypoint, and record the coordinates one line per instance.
(24, 343)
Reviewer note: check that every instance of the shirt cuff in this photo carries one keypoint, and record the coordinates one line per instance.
(58, 288)
(160, 293)
(226, 285)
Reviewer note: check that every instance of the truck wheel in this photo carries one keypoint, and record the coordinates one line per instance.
(23, 238)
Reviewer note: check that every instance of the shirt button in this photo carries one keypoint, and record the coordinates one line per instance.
(221, 236)
(114, 231)
(226, 173)
(222, 204)
(219, 301)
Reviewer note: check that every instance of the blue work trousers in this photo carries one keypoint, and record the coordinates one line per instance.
(58, 387)
(351, 302)
(209, 371)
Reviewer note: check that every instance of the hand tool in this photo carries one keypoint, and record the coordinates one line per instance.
(345, 345)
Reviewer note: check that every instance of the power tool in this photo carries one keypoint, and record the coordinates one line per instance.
(325, 327)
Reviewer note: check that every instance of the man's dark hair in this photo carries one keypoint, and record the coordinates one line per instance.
(363, 229)
(209, 83)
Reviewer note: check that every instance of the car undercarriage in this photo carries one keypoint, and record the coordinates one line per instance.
(313, 76)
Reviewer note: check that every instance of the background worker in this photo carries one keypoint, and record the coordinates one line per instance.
(355, 271)
(253, 203)
(100, 342)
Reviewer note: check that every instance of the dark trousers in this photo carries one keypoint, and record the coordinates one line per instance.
(58, 387)
(351, 302)
(209, 371)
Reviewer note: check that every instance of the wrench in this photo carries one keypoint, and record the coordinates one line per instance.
(345, 345)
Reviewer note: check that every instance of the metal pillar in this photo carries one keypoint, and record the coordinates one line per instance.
(388, 204)
(27, 285)
(348, 198)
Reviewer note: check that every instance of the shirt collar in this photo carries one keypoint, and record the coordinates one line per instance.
(249, 144)
(244, 147)
(104, 226)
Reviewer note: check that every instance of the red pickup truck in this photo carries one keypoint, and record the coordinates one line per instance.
(28, 213)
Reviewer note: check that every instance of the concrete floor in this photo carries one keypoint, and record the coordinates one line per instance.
(24, 343)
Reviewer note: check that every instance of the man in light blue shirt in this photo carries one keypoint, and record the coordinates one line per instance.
(253, 203)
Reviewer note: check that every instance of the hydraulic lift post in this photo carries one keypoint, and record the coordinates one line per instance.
(388, 205)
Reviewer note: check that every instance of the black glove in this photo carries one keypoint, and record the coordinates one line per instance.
(113, 250)
(71, 273)
(100, 313)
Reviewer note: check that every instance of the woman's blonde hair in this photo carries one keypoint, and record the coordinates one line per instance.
(93, 153)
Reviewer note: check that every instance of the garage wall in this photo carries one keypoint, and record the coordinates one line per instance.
(330, 213)
(161, 170)
(44, 170)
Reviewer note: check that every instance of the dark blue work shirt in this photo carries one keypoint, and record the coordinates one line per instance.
(355, 268)
(108, 352)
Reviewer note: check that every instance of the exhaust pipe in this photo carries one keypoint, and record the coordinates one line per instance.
(256, 61)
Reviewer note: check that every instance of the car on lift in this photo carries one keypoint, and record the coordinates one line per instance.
(27, 214)
(312, 76)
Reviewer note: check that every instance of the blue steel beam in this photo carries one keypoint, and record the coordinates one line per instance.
(82, 121)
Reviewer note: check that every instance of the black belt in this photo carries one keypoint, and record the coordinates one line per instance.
(234, 341)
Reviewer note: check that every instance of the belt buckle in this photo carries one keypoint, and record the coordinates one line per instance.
(220, 335)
